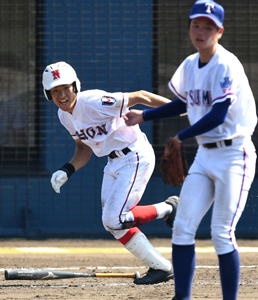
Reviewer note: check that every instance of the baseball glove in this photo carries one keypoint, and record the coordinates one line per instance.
(173, 163)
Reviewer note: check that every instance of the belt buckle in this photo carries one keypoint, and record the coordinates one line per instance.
(224, 143)
(219, 144)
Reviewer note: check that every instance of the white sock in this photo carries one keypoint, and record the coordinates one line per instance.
(163, 209)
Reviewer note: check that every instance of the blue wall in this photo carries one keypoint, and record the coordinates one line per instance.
(109, 44)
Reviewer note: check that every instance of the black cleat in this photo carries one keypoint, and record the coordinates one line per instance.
(173, 200)
(155, 276)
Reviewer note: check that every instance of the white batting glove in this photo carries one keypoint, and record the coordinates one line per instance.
(58, 179)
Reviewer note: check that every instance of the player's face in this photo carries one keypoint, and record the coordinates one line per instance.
(205, 34)
(64, 97)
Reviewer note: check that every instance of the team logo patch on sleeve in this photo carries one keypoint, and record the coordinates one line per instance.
(106, 100)
(226, 84)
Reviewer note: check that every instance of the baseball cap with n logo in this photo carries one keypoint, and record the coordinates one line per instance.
(208, 9)
(60, 73)
(56, 74)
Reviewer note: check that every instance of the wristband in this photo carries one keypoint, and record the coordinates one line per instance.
(68, 168)
(143, 114)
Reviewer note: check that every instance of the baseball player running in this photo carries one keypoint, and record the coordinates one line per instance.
(213, 89)
(94, 120)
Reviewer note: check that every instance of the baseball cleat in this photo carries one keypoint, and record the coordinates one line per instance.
(173, 201)
(155, 276)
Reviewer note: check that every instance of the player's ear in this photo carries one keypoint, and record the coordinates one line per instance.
(74, 88)
(220, 32)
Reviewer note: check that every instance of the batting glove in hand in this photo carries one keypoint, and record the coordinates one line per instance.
(58, 179)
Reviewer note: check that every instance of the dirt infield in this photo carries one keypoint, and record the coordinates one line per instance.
(206, 283)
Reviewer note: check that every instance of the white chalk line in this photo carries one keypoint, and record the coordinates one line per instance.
(116, 250)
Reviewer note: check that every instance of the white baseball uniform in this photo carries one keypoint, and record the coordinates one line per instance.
(223, 174)
(97, 121)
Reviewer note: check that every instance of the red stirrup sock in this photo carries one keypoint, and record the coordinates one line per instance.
(130, 233)
(144, 214)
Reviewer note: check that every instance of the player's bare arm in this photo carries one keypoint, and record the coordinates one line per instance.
(146, 98)
(82, 155)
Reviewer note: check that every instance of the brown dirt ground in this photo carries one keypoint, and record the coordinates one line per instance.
(206, 282)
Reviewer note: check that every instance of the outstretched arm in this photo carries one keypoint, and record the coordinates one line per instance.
(146, 98)
(171, 109)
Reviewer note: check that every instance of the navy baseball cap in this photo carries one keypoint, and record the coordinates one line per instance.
(208, 9)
